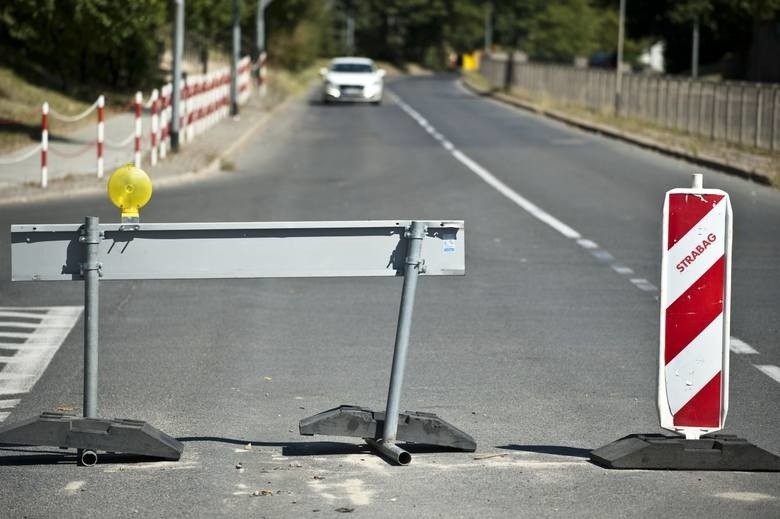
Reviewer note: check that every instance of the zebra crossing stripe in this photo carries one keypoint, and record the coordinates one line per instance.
(28, 350)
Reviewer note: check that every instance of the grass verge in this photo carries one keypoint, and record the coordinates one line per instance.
(763, 163)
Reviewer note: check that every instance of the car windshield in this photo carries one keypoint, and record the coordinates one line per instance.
(352, 67)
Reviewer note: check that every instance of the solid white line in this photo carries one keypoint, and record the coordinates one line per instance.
(29, 315)
(12, 402)
(3, 416)
(769, 370)
(741, 347)
(522, 202)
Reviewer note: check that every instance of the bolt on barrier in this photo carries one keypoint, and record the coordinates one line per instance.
(96, 252)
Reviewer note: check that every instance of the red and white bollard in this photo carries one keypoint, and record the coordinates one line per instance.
(155, 133)
(695, 310)
(137, 147)
(44, 144)
(164, 121)
(101, 129)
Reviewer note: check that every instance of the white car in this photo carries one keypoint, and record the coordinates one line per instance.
(352, 79)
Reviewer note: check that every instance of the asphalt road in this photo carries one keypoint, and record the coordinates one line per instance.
(547, 348)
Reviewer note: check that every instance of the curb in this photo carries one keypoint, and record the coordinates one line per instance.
(609, 131)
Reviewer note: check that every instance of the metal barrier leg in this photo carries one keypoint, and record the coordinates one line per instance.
(90, 434)
(423, 428)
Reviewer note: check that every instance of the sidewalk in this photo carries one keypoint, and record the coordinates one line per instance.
(76, 175)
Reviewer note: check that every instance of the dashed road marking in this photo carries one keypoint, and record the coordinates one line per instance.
(769, 370)
(737, 346)
(741, 347)
(28, 349)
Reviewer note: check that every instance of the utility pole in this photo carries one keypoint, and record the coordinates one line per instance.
(234, 58)
(695, 49)
(260, 25)
(349, 37)
(488, 26)
(619, 64)
(178, 49)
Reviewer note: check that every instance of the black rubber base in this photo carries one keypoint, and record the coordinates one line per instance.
(117, 435)
(660, 452)
(421, 428)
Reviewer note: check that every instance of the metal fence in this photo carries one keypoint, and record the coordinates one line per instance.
(736, 112)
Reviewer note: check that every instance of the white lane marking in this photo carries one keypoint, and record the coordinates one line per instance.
(588, 244)
(602, 255)
(749, 497)
(643, 284)
(769, 370)
(4, 415)
(73, 487)
(498, 185)
(7, 312)
(593, 247)
(741, 347)
(512, 195)
(40, 342)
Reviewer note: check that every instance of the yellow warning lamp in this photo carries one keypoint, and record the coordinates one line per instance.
(129, 188)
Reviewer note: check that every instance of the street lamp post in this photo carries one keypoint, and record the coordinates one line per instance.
(695, 49)
(178, 49)
(234, 58)
(619, 64)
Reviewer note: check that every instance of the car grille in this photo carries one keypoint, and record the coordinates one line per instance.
(351, 89)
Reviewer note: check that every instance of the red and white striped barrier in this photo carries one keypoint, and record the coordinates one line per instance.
(44, 144)
(262, 72)
(101, 134)
(695, 310)
(155, 131)
(139, 99)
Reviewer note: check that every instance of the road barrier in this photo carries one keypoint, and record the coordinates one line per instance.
(694, 346)
(97, 252)
(205, 102)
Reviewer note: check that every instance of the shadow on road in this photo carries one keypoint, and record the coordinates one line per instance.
(558, 450)
(315, 448)
(62, 457)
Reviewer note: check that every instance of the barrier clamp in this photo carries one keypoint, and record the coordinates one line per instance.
(693, 366)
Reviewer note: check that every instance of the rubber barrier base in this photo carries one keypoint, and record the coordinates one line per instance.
(413, 427)
(661, 452)
(68, 431)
